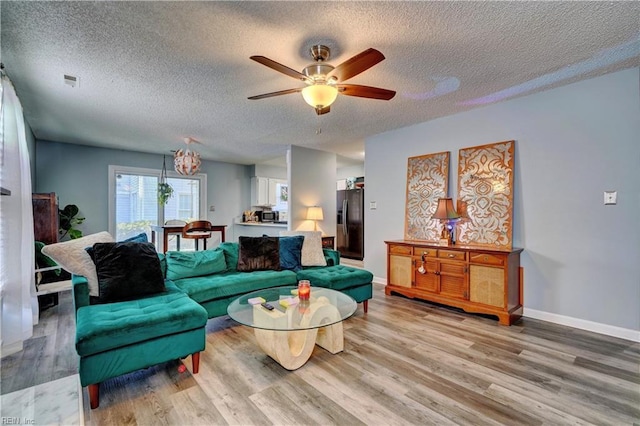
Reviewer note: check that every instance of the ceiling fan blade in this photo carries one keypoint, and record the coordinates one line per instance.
(365, 91)
(272, 94)
(354, 66)
(324, 110)
(279, 67)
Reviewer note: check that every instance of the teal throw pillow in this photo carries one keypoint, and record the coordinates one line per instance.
(291, 252)
(231, 252)
(140, 238)
(186, 264)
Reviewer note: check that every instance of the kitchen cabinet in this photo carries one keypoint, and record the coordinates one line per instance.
(474, 279)
(265, 191)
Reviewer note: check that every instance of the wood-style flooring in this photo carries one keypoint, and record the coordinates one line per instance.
(405, 362)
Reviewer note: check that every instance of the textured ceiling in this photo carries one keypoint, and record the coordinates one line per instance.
(151, 73)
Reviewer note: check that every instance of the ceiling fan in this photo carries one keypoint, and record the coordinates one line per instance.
(325, 81)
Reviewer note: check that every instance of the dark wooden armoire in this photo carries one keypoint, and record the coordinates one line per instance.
(45, 217)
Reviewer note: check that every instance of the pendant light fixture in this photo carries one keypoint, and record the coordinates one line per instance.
(187, 162)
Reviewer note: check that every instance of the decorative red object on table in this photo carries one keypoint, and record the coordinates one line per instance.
(304, 289)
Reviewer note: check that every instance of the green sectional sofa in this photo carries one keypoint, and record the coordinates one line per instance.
(120, 337)
(216, 291)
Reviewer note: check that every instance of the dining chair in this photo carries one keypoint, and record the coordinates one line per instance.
(198, 230)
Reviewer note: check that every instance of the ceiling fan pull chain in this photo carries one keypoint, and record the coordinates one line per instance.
(319, 129)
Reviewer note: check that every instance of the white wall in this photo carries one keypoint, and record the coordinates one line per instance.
(269, 171)
(581, 258)
(355, 170)
(312, 182)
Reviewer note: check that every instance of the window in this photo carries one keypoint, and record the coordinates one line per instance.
(133, 200)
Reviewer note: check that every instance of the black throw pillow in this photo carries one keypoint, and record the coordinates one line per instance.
(127, 270)
(258, 254)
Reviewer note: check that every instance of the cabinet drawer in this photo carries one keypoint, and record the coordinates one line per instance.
(450, 254)
(400, 249)
(425, 251)
(486, 258)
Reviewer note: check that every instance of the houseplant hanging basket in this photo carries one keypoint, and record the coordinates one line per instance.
(165, 191)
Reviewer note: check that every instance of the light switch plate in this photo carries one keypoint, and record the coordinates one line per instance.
(610, 197)
(373, 205)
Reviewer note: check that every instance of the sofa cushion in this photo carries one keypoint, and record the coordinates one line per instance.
(100, 328)
(202, 289)
(291, 252)
(312, 254)
(184, 264)
(127, 271)
(71, 255)
(335, 277)
(230, 254)
(258, 254)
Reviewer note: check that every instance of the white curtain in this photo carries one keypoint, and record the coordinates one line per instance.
(19, 306)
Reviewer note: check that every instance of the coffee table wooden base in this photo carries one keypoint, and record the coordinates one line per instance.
(292, 349)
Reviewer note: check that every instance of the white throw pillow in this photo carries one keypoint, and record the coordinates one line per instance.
(73, 257)
(312, 254)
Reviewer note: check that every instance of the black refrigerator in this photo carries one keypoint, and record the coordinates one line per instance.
(350, 232)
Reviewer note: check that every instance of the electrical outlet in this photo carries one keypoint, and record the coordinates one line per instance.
(212, 208)
(610, 197)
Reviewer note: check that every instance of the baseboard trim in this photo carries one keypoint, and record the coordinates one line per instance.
(11, 349)
(609, 330)
(378, 280)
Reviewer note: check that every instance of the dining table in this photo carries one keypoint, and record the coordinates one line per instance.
(159, 232)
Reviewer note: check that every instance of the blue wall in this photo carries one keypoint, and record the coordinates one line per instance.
(79, 175)
(581, 258)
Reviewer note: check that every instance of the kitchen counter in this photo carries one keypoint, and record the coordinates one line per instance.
(257, 229)
(268, 224)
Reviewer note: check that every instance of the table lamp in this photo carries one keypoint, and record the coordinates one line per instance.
(447, 215)
(315, 213)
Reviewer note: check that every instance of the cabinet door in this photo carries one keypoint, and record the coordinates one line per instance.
(426, 274)
(486, 285)
(453, 279)
(259, 191)
(400, 270)
(272, 192)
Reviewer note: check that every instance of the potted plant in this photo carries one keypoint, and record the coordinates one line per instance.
(67, 220)
(165, 191)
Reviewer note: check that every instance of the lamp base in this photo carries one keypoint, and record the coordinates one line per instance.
(444, 242)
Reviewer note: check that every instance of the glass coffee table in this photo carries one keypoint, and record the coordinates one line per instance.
(289, 331)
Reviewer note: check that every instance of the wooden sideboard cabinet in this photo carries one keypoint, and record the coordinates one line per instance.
(474, 279)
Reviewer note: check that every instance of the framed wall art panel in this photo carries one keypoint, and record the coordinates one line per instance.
(485, 195)
(427, 180)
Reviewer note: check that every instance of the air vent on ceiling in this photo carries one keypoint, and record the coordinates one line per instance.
(71, 80)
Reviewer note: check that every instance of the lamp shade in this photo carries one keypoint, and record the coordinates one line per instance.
(320, 95)
(187, 162)
(445, 210)
(315, 213)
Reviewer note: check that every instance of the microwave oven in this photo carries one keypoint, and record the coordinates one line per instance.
(269, 216)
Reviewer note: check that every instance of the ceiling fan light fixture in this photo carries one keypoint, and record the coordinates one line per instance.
(320, 95)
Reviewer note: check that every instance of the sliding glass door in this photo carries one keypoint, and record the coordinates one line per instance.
(134, 206)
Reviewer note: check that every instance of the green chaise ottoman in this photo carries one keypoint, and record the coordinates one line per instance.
(117, 338)
(355, 282)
